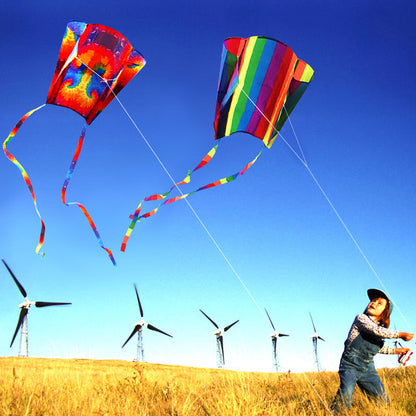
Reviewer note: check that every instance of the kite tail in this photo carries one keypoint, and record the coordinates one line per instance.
(136, 216)
(24, 174)
(157, 197)
(218, 182)
(80, 206)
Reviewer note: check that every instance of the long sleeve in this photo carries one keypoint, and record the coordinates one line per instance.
(364, 324)
(387, 350)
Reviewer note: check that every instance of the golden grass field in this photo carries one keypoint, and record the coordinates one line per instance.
(40, 386)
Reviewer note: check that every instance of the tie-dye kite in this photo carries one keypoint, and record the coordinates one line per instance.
(261, 80)
(94, 64)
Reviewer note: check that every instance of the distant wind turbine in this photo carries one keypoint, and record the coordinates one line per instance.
(274, 337)
(138, 327)
(23, 317)
(315, 338)
(219, 334)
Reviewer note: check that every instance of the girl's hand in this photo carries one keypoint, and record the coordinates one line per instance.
(404, 356)
(405, 336)
(402, 351)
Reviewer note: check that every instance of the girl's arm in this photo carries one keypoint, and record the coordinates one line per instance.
(366, 324)
(385, 349)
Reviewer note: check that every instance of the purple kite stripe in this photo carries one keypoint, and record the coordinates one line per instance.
(269, 79)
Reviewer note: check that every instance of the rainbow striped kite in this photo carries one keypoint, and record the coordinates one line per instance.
(261, 80)
(95, 63)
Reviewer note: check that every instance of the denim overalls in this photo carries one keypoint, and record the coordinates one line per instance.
(357, 367)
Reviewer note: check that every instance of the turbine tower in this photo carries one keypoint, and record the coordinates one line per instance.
(274, 337)
(138, 327)
(219, 334)
(23, 317)
(315, 338)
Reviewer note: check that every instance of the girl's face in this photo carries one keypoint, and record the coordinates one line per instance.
(376, 307)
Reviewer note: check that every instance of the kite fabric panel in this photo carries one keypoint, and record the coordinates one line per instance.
(95, 63)
(260, 82)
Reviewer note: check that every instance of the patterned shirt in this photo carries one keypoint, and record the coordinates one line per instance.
(365, 323)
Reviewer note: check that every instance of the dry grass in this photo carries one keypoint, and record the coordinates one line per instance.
(36, 386)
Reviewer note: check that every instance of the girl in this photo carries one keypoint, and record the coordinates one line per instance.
(364, 341)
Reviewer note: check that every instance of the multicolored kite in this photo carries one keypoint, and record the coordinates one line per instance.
(94, 65)
(261, 80)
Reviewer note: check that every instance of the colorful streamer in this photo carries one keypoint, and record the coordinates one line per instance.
(24, 174)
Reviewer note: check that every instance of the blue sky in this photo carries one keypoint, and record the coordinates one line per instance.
(273, 225)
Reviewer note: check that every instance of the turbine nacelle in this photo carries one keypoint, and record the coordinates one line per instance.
(140, 323)
(316, 336)
(26, 304)
(277, 335)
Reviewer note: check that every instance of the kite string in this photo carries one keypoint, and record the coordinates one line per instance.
(294, 133)
(301, 159)
(304, 162)
(348, 231)
(236, 274)
(192, 209)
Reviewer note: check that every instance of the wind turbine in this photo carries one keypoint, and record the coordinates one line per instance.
(219, 333)
(315, 338)
(23, 317)
(138, 327)
(274, 337)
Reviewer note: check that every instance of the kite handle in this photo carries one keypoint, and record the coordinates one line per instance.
(24, 174)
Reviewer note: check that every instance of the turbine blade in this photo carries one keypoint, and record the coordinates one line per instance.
(138, 301)
(153, 328)
(229, 326)
(312, 322)
(283, 335)
(23, 313)
(21, 288)
(136, 328)
(320, 338)
(271, 323)
(43, 304)
(216, 326)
